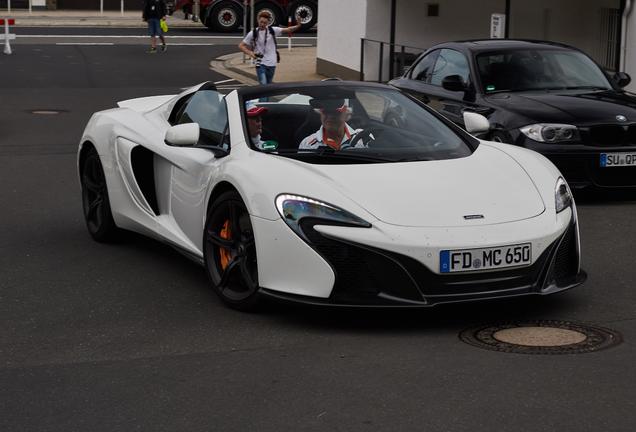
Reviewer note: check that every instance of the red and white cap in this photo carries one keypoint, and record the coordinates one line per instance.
(254, 110)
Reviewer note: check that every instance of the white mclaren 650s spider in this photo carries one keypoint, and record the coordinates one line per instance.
(333, 192)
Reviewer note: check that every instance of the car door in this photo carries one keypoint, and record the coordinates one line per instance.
(183, 180)
(428, 80)
(417, 81)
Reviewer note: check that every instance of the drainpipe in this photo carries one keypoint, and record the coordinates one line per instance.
(626, 12)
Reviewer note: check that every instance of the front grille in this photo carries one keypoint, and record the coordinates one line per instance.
(611, 135)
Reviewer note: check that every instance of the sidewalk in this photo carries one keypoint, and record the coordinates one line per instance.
(299, 64)
(83, 18)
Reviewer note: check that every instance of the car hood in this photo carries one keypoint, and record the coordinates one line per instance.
(571, 107)
(441, 193)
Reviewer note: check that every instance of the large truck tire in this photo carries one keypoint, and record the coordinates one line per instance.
(225, 16)
(308, 12)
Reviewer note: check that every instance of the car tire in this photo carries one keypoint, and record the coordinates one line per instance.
(308, 11)
(95, 201)
(275, 12)
(225, 17)
(230, 259)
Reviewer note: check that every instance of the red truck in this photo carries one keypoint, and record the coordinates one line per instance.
(227, 15)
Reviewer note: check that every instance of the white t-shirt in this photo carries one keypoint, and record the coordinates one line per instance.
(315, 140)
(264, 44)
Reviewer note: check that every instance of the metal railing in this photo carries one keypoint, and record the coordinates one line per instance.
(390, 62)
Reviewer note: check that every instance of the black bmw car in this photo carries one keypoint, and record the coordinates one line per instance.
(545, 96)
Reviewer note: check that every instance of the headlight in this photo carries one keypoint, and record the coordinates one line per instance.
(294, 208)
(562, 195)
(551, 132)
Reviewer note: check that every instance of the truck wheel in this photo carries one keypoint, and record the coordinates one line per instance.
(308, 12)
(225, 17)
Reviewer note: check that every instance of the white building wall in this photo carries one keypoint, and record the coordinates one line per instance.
(342, 25)
(457, 20)
(573, 22)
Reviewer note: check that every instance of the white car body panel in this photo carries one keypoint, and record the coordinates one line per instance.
(415, 208)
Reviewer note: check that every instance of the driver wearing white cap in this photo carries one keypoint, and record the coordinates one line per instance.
(334, 131)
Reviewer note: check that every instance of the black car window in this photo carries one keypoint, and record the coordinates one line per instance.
(207, 108)
(548, 69)
(423, 70)
(450, 62)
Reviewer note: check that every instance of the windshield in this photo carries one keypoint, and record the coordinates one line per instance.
(349, 124)
(522, 70)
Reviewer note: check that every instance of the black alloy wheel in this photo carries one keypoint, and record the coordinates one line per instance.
(229, 251)
(225, 17)
(97, 213)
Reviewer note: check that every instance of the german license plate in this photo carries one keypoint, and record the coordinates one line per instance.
(609, 160)
(461, 260)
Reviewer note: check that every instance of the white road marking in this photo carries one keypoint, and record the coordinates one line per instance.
(85, 43)
(144, 37)
(224, 81)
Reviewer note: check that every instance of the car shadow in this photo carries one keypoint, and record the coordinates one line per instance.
(451, 317)
(445, 317)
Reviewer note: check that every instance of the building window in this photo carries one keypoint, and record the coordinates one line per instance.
(433, 9)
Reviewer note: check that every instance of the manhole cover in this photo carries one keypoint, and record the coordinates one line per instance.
(541, 337)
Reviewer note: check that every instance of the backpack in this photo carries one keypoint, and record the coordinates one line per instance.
(271, 31)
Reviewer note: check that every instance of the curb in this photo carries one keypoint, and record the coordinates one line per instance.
(223, 65)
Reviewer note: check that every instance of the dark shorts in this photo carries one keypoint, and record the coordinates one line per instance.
(154, 27)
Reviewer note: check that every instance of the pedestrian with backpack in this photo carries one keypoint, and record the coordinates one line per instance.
(260, 44)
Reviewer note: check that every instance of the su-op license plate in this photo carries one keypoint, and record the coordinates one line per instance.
(461, 260)
(609, 160)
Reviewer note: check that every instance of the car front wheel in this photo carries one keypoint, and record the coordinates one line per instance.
(229, 252)
(95, 201)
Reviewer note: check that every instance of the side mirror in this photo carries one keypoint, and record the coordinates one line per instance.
(622, 79)
(183, 135)
(476, 123)
(453, 83)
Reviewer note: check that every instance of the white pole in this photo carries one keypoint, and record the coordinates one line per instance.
(244, 25)
(197, 11)
(9, 6)
(122, 7)
(101, 7)
(7, 47)
(30, 7)
(289, 23)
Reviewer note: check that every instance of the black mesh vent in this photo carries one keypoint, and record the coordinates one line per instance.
(142, 161)
(363, 275)
(566, 260)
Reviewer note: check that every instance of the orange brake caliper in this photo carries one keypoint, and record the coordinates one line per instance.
(225, 254)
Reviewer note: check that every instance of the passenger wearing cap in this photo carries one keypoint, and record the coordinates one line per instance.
(255, 123)
(334, 131)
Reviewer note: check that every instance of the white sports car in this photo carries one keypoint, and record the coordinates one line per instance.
(385, 203)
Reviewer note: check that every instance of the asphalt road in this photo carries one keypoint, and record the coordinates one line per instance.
(130, 336)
